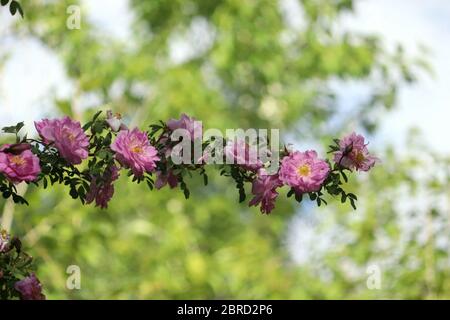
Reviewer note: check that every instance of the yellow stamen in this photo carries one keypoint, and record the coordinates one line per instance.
(360, 158)
(136, 149)
(304, 170)
(17, 160)
(71, 137)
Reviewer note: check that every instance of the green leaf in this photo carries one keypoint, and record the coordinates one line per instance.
(13, 7)
(4, 2)
(96, 115)
(352, 196)
(13, 129)
(73, 192)
(19, 8)
(242, 195)
(19, 199)
(87, 125)
(186, 193)
(352, 202)
(344, 176)
(290, 193)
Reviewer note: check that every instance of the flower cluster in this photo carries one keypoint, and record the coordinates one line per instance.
(105, 146)
(17, 278)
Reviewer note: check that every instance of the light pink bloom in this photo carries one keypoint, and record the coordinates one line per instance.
(102, 191)
(303, 171)
(115, 121)
(133, 150)
(241, 153)
(67, 136)
(264, 191)
(194, 127)
(4, 240)
(29, 288)
(353, 153)
(167, 178)
(18, 163)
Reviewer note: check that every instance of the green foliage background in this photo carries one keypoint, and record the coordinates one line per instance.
(258, 72)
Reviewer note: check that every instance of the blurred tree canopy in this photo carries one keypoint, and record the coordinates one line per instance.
(244, 64)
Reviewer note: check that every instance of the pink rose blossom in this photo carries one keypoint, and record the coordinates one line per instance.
(133, 150)
(264, 191)
(167, 178)
(241, 153)
(194, 127)
(353, 153)
(67, 136)
(103, 191)
(29, 288)
(18, 163)
(303, 171)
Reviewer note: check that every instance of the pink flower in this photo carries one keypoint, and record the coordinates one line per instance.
(353, 153)
(264, 191)
(240, 152)
(18, 163)
(167, 178)
(67, 136)
(4, 240)
(29, 288)
(115, 121)
(133, 150)
(194, 127)
(102, 191)
(303, 171)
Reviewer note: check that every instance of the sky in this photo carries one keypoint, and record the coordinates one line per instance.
(413, 23)
(33, 75)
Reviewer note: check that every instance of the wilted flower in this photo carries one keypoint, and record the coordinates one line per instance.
(166, 178)
(353, 153)
(18, 163)
(102, 191)
(241, 153)
(68, 137)
(115, 121)
(264, 191)
(303, 171)
(30, 288)
(4, 240)
(133, 150)
(194, 127)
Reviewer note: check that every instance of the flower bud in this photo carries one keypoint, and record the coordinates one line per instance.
(17, 148)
